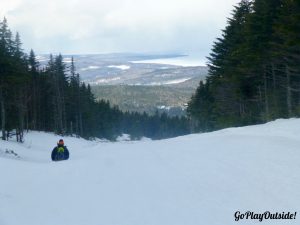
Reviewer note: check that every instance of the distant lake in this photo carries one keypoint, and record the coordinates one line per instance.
(188, 60)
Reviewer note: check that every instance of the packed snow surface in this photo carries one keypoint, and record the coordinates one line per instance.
(190, 180)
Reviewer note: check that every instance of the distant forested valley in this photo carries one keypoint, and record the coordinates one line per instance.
(171, 100)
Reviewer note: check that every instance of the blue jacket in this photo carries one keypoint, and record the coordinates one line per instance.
(60, 152)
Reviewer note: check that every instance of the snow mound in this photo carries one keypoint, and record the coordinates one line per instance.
(7, 153)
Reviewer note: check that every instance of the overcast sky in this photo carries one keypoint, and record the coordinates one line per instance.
(102, 26)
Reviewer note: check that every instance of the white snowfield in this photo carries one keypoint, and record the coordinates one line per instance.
(190, 180)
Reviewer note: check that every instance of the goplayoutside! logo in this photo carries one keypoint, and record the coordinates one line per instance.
(267, 215)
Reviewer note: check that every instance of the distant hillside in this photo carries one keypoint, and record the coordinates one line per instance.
(131, 69)
(171, 99)
(134, 83)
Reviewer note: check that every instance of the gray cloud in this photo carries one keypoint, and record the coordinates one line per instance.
(95, 26)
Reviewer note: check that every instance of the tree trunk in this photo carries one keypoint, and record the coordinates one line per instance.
(266, 96)
(80, 125)
(275, 91)
(288, 91)
(3, 121)
(21, 101)
(71, 128)
(273, 77)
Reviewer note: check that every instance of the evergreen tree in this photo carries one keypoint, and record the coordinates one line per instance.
(253, 68)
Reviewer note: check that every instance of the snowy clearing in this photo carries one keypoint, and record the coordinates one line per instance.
(176, 81)
(185, 61)
(90, 68)
(105, 80)
(121, 67)
(189, 180)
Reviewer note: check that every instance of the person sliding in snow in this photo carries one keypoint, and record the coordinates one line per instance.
(60, 152)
